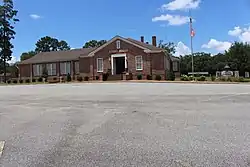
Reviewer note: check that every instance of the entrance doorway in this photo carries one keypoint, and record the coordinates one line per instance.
(120, 65)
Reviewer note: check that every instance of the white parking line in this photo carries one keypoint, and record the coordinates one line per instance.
(1, 147)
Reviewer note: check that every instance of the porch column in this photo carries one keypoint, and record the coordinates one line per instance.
(112, 65)
(126, 63)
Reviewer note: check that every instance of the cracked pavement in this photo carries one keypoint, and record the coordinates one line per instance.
(125, 124)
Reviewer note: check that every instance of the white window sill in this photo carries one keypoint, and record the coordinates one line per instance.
(99, 71)
(139, 69)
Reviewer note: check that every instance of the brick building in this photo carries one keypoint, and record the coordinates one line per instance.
(117, 57)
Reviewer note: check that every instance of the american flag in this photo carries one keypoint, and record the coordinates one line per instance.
(192, 32)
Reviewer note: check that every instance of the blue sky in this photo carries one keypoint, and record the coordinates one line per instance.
(217, 22)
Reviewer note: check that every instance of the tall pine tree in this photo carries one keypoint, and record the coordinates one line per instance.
(7, 33)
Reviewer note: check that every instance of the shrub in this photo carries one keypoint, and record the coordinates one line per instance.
(158, 77)
(79, 78)
(55, 78)
(86, 78)
(241, 79)
(149, 77)
(9, 81)
(230, 79)
(14, 81)
(170, 76)
(68, 77)
(97, 78)
(27, 80)
(139, 77)
(191, 78)
(40, 79)
(33, 80)
(201, 78)
(213, 78)
(184, 78)
(222, 79)
(105, 76)
(20, 81)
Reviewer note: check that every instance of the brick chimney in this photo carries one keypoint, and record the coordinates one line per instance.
(154, 40)
(142, 39)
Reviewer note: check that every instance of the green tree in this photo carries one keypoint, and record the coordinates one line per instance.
(7, 33)
(94, 43)
(48, 44)
(12, 69)
(169, 46)
(27, 55)
(239, 57)
(202, 63)
(219, 61)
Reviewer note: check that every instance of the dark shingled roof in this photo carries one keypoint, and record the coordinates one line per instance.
(174, 58)
(148, 46)
(56, 56)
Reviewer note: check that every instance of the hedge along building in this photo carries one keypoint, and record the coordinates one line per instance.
(116, 57)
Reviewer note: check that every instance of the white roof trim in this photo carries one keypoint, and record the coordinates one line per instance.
(153, 51)
(114, 39)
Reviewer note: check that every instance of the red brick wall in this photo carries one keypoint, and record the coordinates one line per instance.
(24, 70)
(132, 52)
(159, 64)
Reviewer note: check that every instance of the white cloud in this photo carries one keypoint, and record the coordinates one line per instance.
(242, 33)
(35, 16)
(182, 49)
(181, 5)
(235, 32)
(245, 36)
(217, 45)
(174, 20)
(13, 60)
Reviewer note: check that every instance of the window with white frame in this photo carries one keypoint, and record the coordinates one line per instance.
(138, 63)
(65, 68)
(51, 69)
(118, 44)
(99, 64)
(37, 70)
(77, 70)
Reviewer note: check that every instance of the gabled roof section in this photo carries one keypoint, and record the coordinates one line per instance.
(56, 56)
(174, 58)
(114, 39)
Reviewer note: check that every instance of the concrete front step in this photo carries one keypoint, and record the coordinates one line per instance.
(115, 77)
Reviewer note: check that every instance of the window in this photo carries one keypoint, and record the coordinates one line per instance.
(51, 68)
(175, 66)
(37, 70)
(77, 70)
(99, 64)
(138, 63)
(65, 68)
(118, 44)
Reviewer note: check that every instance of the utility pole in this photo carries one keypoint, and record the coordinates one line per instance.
(4, 44)
(192, 34)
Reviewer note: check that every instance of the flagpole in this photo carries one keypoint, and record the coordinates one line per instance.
(191, 42)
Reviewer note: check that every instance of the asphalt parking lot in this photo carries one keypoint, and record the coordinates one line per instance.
(125, 124)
